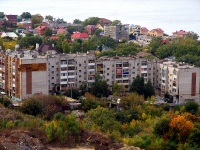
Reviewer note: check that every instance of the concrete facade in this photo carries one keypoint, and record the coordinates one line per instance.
(25, 73)
(117, 32)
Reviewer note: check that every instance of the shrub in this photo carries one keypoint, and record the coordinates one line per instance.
(191, 107)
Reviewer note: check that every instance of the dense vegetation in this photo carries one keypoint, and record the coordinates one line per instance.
(177, 47)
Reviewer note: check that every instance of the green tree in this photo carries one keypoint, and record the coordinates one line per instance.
(48, 32)
(191, 107)
(66, 48)
(149, 89)
(25, 15)
(104, 118)
(71, 29)
(97, 32)
(155, 43)
(100, 87)
(118, 89)
(72, 92)
(115, 22)
(90, 102)
(138, 85)
(77, 21)
(36, 20)
(26, 42)
(192, 35)
(90, 21)
(2, 14)
(162, 127)
(49, 17)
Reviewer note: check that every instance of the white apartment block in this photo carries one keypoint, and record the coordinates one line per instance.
(178, 79)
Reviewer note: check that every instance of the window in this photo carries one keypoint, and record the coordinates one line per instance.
(52, 66)
(108, 68)
(79, 70)
(79, 76)
(52, 71)
(79, 64)
(52, 78)
(108, 74)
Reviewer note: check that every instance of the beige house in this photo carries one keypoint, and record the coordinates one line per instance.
(156, 32)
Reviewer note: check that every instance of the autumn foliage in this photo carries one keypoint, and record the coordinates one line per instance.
(182, 126)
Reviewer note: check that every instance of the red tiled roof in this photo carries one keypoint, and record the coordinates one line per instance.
(41, 28)
(104, 20)
(11, 17)
(159, 30)
(181, 32)
(53, 37)
(144, 29)
(77, 35)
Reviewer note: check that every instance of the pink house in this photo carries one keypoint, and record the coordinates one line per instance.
(62, 31)
(180, 34)
(144, 31)
(40, 29)
(90, 29)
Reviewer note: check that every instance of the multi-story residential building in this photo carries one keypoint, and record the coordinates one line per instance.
(22, 74)
(117, 32)
(123, 70)
(178, 79)
(25, 73)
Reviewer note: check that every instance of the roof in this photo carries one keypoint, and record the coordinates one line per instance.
(91, 26)
(53, 37)
(46, 47)
(104, 20)
(41, 28)
(61, 31)
(158, 30)
(144, 29)
(77, 35)
(181, 32)
(11, 17)
(9, 34)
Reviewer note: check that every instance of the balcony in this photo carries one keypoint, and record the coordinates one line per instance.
(63, 65)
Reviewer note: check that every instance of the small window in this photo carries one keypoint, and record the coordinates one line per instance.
(52, 66)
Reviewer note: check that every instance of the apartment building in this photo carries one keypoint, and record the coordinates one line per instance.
(178, 79)
(25, 73)
(22, 74)
(123, 70)
(117, 32)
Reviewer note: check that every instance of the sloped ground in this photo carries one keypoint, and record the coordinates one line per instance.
(19, 139)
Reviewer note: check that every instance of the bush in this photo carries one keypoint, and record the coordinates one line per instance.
(191, 107)
(32, 107)
(162, 127)
(6, 102)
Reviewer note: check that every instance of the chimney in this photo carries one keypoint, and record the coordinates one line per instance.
(52, 45)
(37, 46)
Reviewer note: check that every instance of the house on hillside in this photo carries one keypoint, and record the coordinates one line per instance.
(156, 32)
(11, 19)
(104, 22)
(46, 48)
(90, 29)
(180, 34)
(79, 35)
(62, 31)
(99, 26)
(144, 31)
(9, 35)
(41, 29)
(25, 24)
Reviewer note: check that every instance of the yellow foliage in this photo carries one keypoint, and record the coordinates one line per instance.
(9, 44)
(144, 116)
